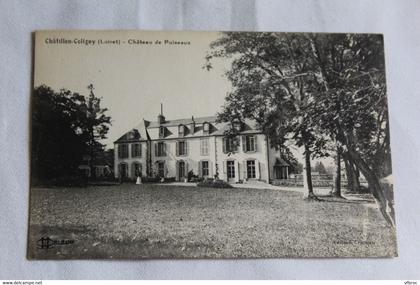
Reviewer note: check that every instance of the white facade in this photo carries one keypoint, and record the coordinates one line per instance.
(199, 147)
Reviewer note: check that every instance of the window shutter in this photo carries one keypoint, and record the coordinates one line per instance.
(244, 170)
(186, 147)
(244, 143)
(236, 164)
(156, 145)
(200, 169)
(177, 148)
(210, 169)
(177, 170)
(257, 169)
(224, 166)
(119, 151)
(224, 146)
(164, 149)
(255, 143)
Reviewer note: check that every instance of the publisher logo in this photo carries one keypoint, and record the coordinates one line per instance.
(48, 243)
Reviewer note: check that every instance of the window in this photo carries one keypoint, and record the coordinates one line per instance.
(160, 149)
(250, 169)
(249, 143)
(230, 169)
(204, 147)
(181, 130)
(161, 132)
(161, 169)
(123, 151)
(205, 168)
(182, 148)
(98, 172)
(237, 126)
(206, 128)
(136, 150)
(280, 172)
(131, 135)
(230, 145)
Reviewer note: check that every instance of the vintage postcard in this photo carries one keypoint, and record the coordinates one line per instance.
(209, 145)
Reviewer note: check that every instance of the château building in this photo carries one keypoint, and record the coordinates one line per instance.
(173, 148)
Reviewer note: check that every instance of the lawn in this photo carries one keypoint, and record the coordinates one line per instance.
(150, 221)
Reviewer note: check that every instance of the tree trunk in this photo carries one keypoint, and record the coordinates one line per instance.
(356, 178)
(375, 188)
(337, 190)
(350, 175)
(307, 176)
(352, 172)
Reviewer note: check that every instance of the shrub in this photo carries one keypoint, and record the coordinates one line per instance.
(170, 179)
(67, 181)
(197, 179)
(214, 184)
(150, 179)
(156, 179)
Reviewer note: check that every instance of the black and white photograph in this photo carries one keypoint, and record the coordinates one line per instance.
(155, 144)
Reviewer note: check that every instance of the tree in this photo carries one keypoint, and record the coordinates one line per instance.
(337, 189)
(96, 124)
(353, 176)
(271, 77)
(60, 138)
(352, 71)
(319, 167)
(316, 89)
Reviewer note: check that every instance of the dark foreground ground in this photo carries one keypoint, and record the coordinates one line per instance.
(150, 221)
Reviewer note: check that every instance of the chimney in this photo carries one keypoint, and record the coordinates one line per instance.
(192, 126)
(161, 118)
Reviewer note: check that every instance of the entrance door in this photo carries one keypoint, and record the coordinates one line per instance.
(181, 170)
(123, 170)
(161, 169)
(231, 170)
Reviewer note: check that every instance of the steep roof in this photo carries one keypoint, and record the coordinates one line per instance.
(150, 130)
(138, 133)
(172, 123)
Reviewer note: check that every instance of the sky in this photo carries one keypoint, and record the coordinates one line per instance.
(134, 79)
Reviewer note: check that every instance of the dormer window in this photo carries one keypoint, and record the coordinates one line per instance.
(161, 132)
(237, 126)
(181, 130)
(206, 128)
(132, 134)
